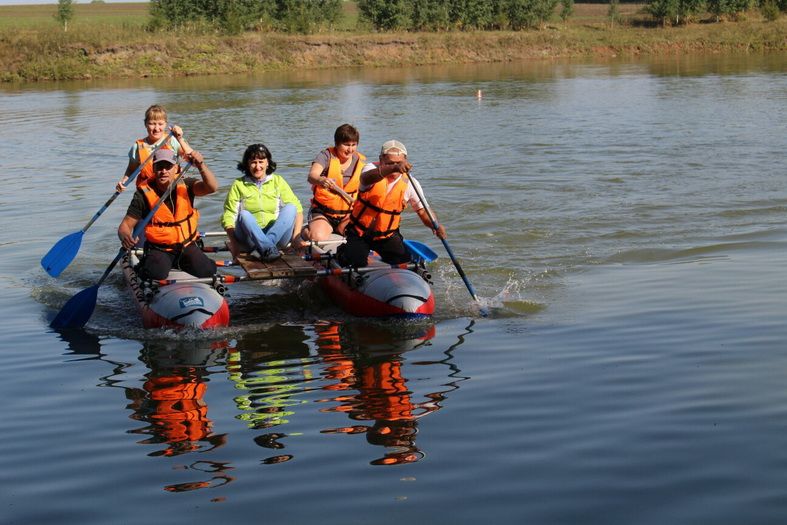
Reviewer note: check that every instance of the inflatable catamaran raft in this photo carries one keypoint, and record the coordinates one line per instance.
(377, 290)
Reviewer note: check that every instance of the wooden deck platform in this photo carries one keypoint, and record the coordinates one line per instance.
(286, 267)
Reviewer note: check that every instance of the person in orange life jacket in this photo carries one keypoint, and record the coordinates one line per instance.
(334, 175)
(170, 235)
(384, 192)
(156, 126)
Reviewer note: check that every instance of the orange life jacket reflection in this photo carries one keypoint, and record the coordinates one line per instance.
(332, 204)
(143, 152)
(339, 367)
(377, 212)
(383, 392)
(168, 230)
(180, 412)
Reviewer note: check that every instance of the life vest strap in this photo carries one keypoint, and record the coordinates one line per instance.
(368, 204)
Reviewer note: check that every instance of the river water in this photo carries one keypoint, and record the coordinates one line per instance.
(623, 223)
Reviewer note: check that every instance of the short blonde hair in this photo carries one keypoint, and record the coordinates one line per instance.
(155, 112)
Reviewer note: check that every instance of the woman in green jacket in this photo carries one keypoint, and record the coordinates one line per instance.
(261, 212)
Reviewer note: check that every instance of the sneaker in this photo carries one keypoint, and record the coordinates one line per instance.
(270, 255)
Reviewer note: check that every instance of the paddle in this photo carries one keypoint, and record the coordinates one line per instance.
(63, 252)
(344, 195)
(435, 226)
(419, 251)
(77, 310)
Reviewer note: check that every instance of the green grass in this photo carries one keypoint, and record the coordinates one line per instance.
(132, 15)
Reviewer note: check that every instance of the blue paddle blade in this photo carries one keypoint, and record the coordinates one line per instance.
(61, 254)
(77, 310)
(419, 251)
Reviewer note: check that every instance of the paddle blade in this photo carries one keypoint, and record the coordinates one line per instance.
(61, 254)
(419, 251)
(77, 310)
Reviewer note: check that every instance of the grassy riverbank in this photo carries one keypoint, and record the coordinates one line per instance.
(108, 41)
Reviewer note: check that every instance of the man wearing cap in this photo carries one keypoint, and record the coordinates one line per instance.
(386, 187)
(170, 235)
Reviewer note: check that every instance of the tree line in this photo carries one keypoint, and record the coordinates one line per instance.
(309, 16)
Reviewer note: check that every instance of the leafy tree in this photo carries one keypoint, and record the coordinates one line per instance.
(769, 10)
(65, 12)
(674, 11)
(613, 13)
(234, 16)
(430, 15)
(306, 16)
(386, 15)
(728, 8)
(567, 9)
(472, 14)
(524, 14)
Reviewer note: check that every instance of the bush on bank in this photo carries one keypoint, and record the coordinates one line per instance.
(236, 16)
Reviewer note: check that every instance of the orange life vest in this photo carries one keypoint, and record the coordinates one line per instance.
(143, 152)
(169, 231)
(377, 211)
(332, 204)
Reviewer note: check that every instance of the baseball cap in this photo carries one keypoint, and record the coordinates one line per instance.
(165, 155)
(389, 145)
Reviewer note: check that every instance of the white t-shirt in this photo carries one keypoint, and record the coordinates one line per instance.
(410, 195)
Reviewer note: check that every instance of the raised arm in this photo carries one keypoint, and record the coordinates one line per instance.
(208, 184)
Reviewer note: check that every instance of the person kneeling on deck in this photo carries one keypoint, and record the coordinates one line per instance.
(170, 235)
(261, 212)
(386, 187)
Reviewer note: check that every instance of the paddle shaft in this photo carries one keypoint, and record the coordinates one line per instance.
(140, 227)
(435, 226)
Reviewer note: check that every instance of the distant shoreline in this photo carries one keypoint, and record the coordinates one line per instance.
(121, 50)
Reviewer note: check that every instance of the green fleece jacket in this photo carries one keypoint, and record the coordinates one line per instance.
(263, 201)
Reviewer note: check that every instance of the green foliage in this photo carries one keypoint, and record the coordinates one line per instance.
(770, 10)
(674, 11)
(566, 10)
(472, 14)
(613, 13)
(523, 14)
(235, 16)
(306, 16)
(65, 12)
(430, 15)
(387, 15)
(439, 15)
(728, 8)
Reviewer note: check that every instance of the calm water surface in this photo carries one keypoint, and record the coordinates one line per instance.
(623, 222)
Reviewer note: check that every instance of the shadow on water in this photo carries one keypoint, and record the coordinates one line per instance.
(369, 378)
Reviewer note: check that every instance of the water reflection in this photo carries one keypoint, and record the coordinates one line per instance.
(373, 379)
(365, 370)
(81, 343)
(270, 369)
(172, 404)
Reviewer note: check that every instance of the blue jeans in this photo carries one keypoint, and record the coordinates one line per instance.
(266, 241)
